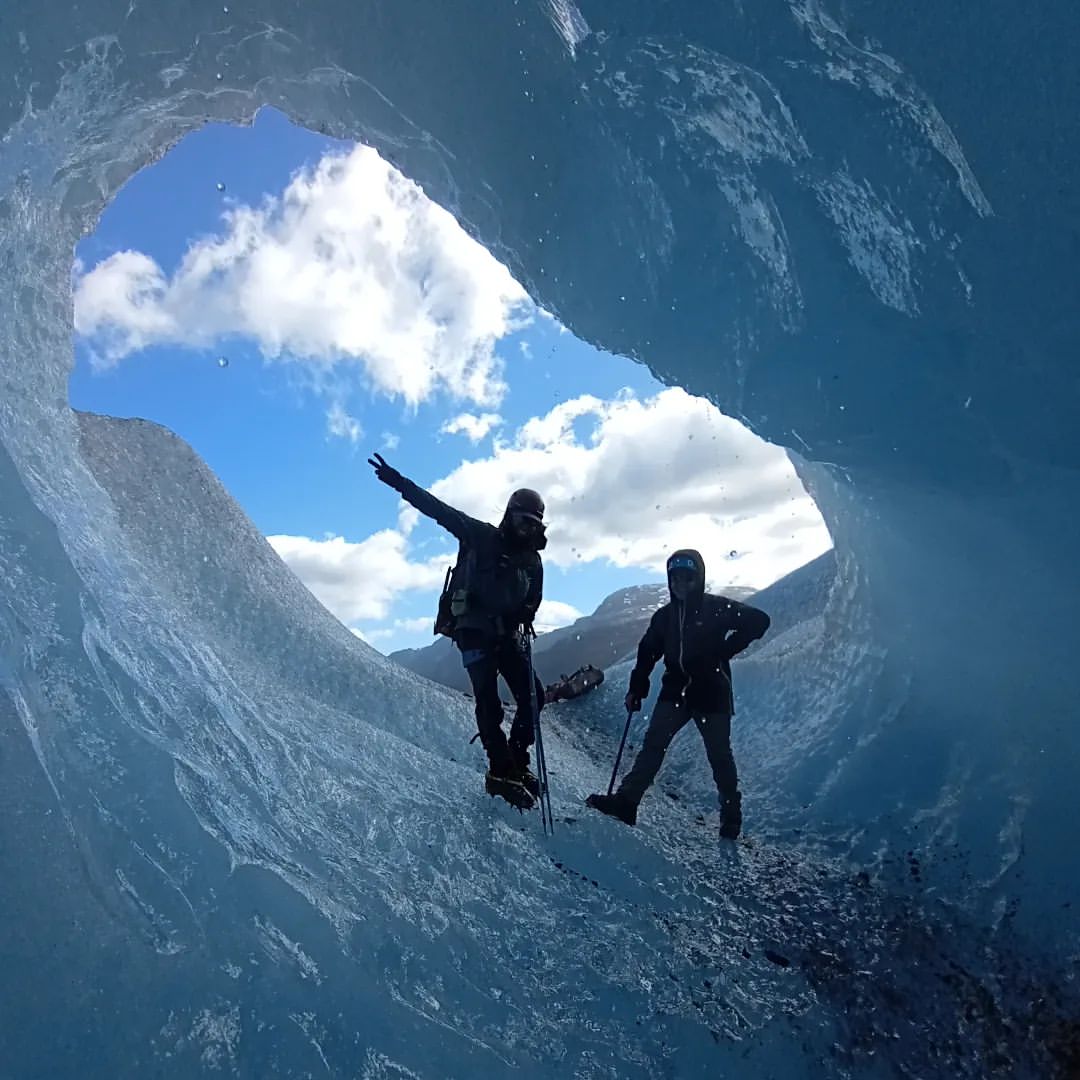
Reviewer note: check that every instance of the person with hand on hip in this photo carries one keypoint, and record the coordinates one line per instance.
(696, 635)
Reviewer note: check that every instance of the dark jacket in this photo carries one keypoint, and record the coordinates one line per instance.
(502, 579)
(697, 639)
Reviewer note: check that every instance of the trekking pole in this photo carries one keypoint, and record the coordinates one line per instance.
(538, 739)
(541, 758)
(545, 797)
(618, 756)
(546, 817)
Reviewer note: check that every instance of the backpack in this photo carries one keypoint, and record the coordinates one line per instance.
(444, 621)
(454, 598)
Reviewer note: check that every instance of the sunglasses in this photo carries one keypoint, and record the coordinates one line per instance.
(686, 566)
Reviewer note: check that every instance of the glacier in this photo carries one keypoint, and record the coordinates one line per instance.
(237, 841)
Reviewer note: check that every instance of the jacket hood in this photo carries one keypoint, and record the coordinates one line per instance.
(682, 556)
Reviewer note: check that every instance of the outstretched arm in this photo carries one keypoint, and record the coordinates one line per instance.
(650, 649)
(454, 521)
(745, 625)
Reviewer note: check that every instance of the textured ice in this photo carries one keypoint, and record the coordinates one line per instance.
(235, 840)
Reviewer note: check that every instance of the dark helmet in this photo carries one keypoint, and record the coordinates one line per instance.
(526, 503)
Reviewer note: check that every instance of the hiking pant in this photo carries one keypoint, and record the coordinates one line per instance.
(668, 719)
(485, 659)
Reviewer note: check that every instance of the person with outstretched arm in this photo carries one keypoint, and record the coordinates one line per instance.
(696, 634)
(488, 608)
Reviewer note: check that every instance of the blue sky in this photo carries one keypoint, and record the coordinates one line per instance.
(318, 375)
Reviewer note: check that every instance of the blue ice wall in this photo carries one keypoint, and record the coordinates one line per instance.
(854, 225)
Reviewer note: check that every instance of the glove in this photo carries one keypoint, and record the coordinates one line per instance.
(386, 473)
(633, 703)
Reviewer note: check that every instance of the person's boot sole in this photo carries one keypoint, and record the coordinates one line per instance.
(630, 822)
(511, 791)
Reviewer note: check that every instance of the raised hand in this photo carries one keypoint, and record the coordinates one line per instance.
(386, 473)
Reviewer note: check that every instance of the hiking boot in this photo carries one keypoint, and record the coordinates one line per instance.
(519, 755)
(731, 817)
(614, 806)
(510, 789)
(529, 782)
(519, 761)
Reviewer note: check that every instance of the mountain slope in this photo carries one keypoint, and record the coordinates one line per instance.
(600, 639)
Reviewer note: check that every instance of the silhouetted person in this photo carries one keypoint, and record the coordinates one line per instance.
(697, 634)
(488, 608)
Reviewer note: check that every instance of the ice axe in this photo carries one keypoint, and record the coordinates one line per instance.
(622, 745)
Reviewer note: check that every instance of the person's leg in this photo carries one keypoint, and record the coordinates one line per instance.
(514, 668)
(478, 654)
(667, 720)
(715, 730)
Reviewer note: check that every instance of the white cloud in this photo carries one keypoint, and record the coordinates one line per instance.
(647, 477)
(340, 424)
(390, 441)
(553, 614)
(408, 518)
(651, 476)
(526, 349)
(399, 627)
(358, 581)
(351, 264)
(474, 428)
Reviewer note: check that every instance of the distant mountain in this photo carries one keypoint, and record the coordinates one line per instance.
(601, 639)
(797, 596)
(440, 662)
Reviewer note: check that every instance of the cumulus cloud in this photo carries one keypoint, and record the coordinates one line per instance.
(553, 614)
(340, 424)
(629, 480)
(408, 518)
(351, 264)
(401, 627)
(359, 581)
(626, 481)
(474, 428)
